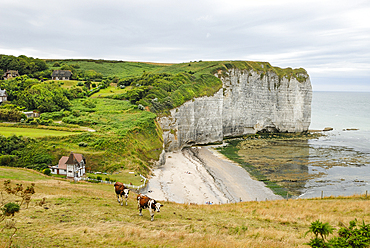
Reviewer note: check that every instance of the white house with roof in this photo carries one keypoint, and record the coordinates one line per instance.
(73, 166)
(3, 96)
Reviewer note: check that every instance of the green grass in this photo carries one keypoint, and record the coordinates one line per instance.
(111, 68)
(109, 91)
(21, 174)
(31, 132)
(123, 176)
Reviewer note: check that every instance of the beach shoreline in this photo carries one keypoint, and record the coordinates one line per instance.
(201, 175)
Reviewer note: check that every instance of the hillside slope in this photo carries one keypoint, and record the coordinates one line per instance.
(88, 215)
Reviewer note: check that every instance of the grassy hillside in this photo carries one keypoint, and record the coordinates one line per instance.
(31, 132)
(88, 215)
(124, 138)
(127, 136)
(125, 69)
(110, 68)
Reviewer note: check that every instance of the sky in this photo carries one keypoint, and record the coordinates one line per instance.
(330, 39)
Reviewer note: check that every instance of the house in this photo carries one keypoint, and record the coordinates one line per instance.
(73, 166)
(32, 114)
(3, 96)
(10, 74)
(61, 75)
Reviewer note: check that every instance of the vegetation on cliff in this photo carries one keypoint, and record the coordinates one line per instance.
(112, 98)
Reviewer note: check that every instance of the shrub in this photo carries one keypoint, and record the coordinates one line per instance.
(10, 209)
(348, 236)
(99, 178)
(47, 171)
(82, 144)
(6, 160)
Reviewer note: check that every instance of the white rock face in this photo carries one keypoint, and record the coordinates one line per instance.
(247, 103)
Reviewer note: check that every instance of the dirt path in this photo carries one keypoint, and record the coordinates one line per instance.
(200, 175)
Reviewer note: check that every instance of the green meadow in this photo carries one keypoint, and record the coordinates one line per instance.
(31, 132)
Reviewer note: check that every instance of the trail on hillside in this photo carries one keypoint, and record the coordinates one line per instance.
(199, 175)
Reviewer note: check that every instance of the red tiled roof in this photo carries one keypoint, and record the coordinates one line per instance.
(74, 158)
(62, 163)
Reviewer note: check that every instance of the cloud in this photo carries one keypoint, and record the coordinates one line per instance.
(328, 38)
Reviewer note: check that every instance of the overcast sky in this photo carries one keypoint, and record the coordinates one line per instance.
(330, 39)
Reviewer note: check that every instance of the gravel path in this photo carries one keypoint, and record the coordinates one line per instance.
(200, 175)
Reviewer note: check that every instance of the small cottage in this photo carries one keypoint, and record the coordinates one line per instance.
(10, 74)
(73, 166)
(3, 96)
(32, 114)
(61, 75)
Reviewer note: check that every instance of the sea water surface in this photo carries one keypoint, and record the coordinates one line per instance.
(342, 156)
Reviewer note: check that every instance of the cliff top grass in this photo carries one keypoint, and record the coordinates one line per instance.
(124, 69)
(88, 215)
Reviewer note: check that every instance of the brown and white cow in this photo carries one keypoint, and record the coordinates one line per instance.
(122, 191)
(144, 201)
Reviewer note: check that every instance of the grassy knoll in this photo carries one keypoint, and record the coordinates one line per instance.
(110, 68)
(109, 91)
(88, 215)
(31, 132)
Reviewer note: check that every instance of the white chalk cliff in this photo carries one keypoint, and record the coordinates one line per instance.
(248, 102)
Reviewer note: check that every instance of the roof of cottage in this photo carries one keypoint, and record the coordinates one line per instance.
(12, 72)
(75, 158)
(61, 73)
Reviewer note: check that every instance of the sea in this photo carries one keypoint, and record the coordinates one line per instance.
(345, 149)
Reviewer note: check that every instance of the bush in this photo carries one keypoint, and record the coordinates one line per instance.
(6, 160)
(99, 178)
(82, 144)
(10, 209)
(47, 171)
(348, 236)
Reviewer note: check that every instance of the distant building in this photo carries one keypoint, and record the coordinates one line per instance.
(32, 114)
(72, 166)
(61, 75)
(10, 74)
(3, 96)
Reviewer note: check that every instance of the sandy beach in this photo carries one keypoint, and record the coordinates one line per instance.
(201, 174)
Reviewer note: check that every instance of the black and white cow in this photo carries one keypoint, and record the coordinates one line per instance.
(122, 191)
(144, 201)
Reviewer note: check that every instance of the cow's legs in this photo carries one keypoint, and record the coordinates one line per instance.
(118, 198)
(151, 214)
(126, 201)
(140, 213)
(121, 200)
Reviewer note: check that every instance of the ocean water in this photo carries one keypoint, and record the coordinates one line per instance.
(340, 160)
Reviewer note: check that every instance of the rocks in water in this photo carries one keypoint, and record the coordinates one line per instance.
(328, 129)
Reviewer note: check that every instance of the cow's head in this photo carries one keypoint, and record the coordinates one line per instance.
(158, 206)
(125, 192)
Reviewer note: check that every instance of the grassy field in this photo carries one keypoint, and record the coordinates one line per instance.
(31, 132)
(88, 215)
(109, 91)
(111, 68)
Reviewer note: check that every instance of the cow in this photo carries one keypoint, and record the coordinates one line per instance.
(144, 201)
(122, 191)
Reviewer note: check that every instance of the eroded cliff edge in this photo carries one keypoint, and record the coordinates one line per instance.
(249, 101)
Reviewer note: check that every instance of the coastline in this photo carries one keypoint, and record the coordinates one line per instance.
(201, 175)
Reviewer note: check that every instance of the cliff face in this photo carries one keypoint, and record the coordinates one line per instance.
(247, 103)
